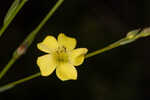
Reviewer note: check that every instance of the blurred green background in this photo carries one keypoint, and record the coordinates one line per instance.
(119, 74)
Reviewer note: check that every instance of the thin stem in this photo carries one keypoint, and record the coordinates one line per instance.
(30, 38)
(10, 63)
(25, 79)
(12, 17)
(109, 47)
(12, 84)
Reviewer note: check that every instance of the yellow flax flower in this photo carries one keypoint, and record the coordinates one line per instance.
(61, 56)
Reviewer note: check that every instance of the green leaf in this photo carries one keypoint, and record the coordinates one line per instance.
(11, 10)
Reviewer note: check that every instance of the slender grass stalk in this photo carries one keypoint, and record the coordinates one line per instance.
(30, 38)
(12, 16)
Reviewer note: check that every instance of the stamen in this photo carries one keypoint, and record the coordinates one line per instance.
(61, 54)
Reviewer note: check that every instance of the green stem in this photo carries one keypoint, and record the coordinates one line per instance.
(25, 79)
(10, 85)
(31, 36)
(109, 47)
(27, 42)
(10, 63)
(12, 17)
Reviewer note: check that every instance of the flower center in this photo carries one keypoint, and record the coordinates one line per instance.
(61, 55)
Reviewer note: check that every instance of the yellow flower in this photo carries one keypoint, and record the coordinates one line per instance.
(61, 56)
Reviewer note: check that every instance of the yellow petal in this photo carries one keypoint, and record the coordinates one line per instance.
(46, 64)
(68, 42)
(66, 71)
(48, 44)
(77, 56)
